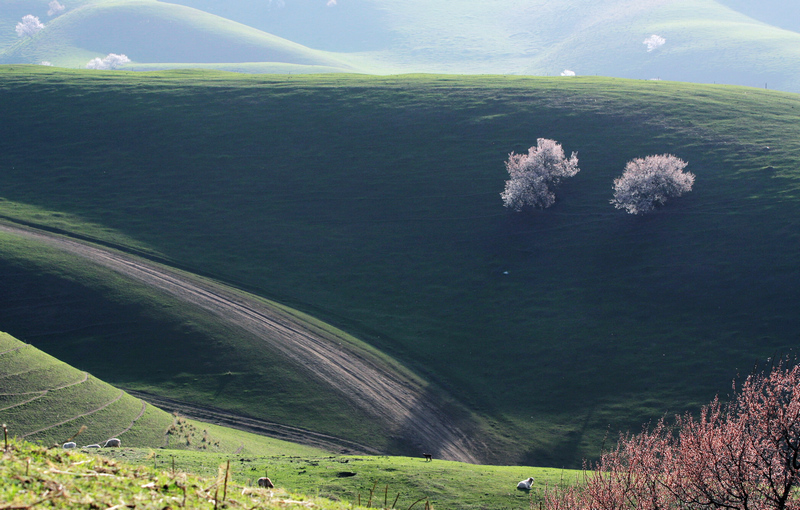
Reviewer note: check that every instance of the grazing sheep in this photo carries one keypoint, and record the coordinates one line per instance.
(92, 446)
(113, 442)
(265, 482)
(70, 445)
(525, 485)
(428, 457)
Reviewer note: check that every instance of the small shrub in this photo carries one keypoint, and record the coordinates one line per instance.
(535, 175)
(648, 182)
(111, 61)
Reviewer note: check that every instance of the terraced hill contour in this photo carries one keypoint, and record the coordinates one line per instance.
(47, 401)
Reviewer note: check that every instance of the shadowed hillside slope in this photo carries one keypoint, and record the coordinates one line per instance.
(373, 203)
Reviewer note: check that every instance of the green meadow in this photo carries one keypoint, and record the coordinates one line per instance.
(48, 402)
(372, 203)
(153, 478)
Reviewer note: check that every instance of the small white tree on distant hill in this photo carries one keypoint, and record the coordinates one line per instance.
(654, 42)
(55, 7)
(534, 176)
(648, 182)
(111, 61)
(29, 26)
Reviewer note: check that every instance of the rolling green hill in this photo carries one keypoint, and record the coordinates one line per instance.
(47, 401)
(705, 41)
(154, 32)
(373, 203)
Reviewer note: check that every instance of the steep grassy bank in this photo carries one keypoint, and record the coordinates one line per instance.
(373, 203)
(46, 401)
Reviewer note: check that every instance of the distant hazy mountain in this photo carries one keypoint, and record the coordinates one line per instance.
(342, 25)
(723, 41)
(710, 41)
(781, 13)
(148, 31)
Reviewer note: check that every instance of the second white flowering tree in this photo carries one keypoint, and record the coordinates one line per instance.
(534, 176)
(649, 182)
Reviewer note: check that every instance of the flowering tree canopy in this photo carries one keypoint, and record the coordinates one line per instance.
(55, 7)
(650, 181)
(654, 42)
(29, 26)
(111, 61)
(534, 176)
(738, 456)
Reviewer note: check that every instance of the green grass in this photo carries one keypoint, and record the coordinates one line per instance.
(373, 204)
(34, 475)
(351, 478)
(153, 478)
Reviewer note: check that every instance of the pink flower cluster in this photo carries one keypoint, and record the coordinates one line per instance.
(740, 455)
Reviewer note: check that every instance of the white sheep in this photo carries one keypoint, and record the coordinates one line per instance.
(265, 482)
(525, 485)
(113, 442)
(70, 445)
(92, 446)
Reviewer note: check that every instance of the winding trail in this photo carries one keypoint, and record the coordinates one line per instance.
(400, 403)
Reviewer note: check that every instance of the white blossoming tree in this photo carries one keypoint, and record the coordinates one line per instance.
(535, 175)
(649, 182)
(654, 42)
(111, 61)
(55, 7)
(29, 26)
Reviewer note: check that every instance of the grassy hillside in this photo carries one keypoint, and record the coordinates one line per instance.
(48, 401)
(153, 32)
(83, 313)
(707, 41)
(373, 203)
(74, 480)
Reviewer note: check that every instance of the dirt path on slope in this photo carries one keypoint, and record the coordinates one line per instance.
(398, 402)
